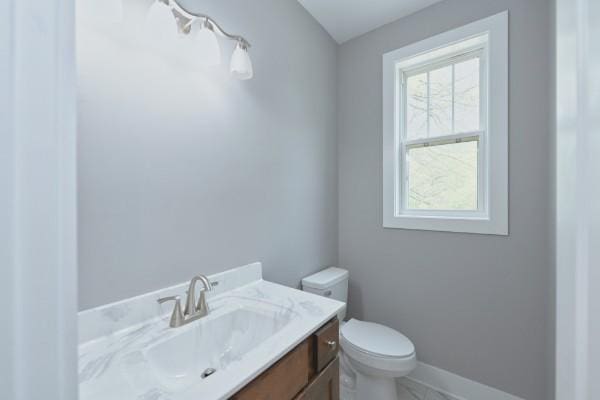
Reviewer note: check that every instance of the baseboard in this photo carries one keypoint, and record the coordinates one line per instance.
(455, 386)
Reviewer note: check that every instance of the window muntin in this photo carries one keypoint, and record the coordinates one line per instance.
(442, 135)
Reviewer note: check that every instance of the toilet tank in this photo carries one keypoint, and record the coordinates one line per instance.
(331, 282)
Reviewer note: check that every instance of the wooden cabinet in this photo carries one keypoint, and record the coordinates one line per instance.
(326, 386)
(327, 344)
(283, 380)
(308, 372)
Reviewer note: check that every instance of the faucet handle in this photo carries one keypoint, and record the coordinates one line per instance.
(177, 314)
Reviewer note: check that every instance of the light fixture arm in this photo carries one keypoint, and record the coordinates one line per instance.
(185, 18)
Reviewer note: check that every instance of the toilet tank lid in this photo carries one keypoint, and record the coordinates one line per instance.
(325, 279)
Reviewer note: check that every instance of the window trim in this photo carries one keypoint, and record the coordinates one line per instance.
(492, 214)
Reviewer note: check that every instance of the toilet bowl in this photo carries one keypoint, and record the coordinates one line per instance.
(372, 355)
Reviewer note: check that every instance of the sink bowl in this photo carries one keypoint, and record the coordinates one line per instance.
(212, 343)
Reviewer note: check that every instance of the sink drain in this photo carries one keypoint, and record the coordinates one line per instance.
(208, 372)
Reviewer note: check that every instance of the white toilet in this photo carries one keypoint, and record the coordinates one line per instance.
(372, 355)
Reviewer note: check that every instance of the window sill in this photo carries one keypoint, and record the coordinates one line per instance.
(461, 224)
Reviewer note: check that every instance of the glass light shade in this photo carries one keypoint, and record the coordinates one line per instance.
(208, 46)
(241, 65)
(160, 22)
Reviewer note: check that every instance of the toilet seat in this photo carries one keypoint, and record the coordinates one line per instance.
(377, 346)
(377, 340)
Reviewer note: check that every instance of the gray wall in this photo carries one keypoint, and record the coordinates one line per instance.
(475, 305)
(184, 171)
(196, 172)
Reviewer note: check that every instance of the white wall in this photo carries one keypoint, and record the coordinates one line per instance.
(7, 188)
(475, 305)
(38, 331)
(7, 289)
(578, 208)
(186, 171)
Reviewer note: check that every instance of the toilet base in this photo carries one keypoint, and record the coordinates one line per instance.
(371, 387)
(355, 385)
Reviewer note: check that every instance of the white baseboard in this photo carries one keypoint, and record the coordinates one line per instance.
(456, 386)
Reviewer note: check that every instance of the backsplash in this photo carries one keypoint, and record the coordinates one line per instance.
(110, 318)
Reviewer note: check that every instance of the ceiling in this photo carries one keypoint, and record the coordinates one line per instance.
(347, 19)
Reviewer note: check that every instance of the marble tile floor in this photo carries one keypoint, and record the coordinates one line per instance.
(407, 390)
(411, 390)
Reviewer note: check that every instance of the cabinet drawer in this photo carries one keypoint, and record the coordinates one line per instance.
(326, 386)
(327, 344)
(284, 380)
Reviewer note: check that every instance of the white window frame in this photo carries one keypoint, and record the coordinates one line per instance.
(488, 36)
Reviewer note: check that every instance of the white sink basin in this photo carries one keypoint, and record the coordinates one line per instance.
(214, 342)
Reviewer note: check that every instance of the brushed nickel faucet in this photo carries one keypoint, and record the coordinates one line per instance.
(177, 319)
(193, 311)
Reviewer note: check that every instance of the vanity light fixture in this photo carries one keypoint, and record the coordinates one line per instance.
(203, 30)
(207, 43)
(241, 65)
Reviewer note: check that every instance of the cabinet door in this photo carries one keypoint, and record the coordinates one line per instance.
(327, 343)
(326, 386)
(284, 380)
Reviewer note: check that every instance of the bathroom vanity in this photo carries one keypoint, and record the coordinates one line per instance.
(309, 372)
(259, 340)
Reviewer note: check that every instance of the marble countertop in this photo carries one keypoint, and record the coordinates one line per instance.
(112, 360)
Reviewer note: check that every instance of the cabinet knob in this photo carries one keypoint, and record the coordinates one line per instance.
(332, 344)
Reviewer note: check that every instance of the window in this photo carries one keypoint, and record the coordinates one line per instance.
(445, 131)
(441, 131)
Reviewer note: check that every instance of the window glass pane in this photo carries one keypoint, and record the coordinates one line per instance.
(466, 96)
(440, 101)
(443, 177)
(416, 107)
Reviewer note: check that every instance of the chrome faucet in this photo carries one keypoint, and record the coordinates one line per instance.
(193, 311)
